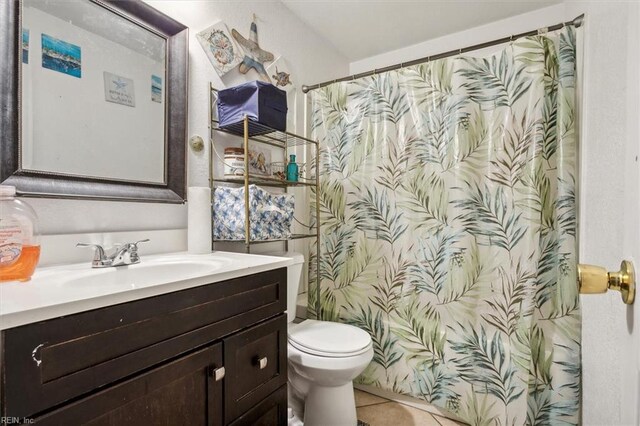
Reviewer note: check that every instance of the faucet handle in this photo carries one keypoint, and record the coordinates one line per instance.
(130, 246)
(134, 246)
(99, 254)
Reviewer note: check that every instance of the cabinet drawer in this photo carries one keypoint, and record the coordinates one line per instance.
(247, 381)
(47, 363)
(271, 411)
(179, 392)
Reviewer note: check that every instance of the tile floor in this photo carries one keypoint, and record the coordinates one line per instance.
(379, 411)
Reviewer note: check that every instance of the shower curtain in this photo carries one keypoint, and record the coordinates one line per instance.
(448, 229)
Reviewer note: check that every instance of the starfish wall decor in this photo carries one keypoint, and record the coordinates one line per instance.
(254, 57)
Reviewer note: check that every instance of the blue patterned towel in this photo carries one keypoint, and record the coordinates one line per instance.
(270, 215)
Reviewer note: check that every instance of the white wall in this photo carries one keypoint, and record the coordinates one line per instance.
(71, 128)
(310, 58)
(609, 228)
(537, 19)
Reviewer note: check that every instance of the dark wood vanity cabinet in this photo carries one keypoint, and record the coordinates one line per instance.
(178, 392)
(209, 355)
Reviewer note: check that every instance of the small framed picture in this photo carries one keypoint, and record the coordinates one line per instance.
(60, 56)
(25, 46)
(259, 161)
(119, 90)
(280, 74)
(221, 49)
(156, 89)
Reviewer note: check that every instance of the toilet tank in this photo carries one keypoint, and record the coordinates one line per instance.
(294, 278)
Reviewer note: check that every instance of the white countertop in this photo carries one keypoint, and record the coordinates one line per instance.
(68, 289)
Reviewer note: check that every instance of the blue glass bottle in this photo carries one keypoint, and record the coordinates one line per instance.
(292, 169)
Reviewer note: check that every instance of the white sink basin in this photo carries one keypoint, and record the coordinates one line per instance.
(142, 274)
(66, 289)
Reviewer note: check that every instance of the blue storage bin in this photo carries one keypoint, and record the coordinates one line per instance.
(263, 103)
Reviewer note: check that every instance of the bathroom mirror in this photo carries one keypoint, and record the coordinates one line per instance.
(96, 106)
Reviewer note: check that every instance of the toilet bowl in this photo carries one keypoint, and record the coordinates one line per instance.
(323, 359)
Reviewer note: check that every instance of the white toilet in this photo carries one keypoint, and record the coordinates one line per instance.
(324, 358)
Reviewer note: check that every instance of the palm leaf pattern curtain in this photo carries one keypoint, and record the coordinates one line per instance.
(448, 229)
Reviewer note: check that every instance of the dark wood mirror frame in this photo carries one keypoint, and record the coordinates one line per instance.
(37, 184)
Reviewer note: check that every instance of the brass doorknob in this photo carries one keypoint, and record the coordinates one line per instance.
(595, 279)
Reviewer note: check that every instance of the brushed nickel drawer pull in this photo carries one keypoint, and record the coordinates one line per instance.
(217, 373)
(262, 362)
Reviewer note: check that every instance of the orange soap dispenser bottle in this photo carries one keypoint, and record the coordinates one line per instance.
(19, 237)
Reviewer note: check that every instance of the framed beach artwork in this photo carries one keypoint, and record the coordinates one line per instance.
(156, 89)
(280, 74)
(25, 46)
(119, 90)
(281, 77)
(60, 56)
(221, 49)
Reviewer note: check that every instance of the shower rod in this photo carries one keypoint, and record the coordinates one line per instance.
(577, 22)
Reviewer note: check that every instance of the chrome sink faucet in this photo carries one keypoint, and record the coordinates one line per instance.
(126, 254)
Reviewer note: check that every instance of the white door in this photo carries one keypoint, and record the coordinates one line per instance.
(610, 209)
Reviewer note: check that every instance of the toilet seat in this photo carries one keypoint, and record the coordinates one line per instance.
(329, 339)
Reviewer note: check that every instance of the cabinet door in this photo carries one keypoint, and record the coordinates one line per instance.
(256, 364)
(183, 391)
(271, 411)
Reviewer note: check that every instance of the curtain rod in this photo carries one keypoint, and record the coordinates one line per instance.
(577, 22)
